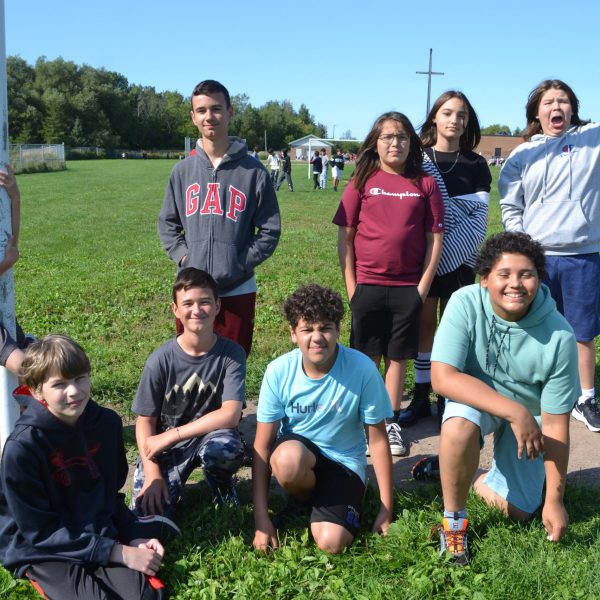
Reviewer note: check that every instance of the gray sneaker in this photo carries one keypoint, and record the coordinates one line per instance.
(397, 445)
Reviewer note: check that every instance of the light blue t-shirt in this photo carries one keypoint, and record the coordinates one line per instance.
(329, 411)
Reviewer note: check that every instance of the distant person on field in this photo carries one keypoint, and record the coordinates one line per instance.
(325, 169)
(337, 167)
(220, 213)
(63, 521)
(254, 153)
(317, 164)
(273, 164)
(506, 360)
(286, 170)
(315, 403)
(189, 404)
(550, 188)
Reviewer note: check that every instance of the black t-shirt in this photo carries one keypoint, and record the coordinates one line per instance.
(470, 174)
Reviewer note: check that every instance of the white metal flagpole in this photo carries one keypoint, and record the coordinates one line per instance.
(9, 409)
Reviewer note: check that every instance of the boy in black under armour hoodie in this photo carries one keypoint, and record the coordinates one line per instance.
(63, 523)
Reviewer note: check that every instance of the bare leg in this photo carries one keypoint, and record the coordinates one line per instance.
(493, 499)
(293, 466)
(331, 537)
(587, 363)
(459, 459)
(395, 374)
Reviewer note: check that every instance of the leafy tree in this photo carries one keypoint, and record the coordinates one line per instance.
(496, 129)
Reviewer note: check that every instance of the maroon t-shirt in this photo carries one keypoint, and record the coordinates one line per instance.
(391, 217)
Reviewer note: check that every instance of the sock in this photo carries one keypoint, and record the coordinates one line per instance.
(422, 367)
(455, 515)
(586, 395)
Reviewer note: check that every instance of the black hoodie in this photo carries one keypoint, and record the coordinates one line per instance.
(59, 491)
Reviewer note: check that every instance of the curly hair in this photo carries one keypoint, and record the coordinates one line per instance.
(472, 134)
(510, 242)
(314, 304)
(368, 161)
(53, 355)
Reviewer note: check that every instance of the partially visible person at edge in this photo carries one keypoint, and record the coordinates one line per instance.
(220, 213)
(505, 359)
(449, 134)
(550, 188)
(63, 521)
(391, 224)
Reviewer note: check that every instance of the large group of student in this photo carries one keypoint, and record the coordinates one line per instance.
(513, 354)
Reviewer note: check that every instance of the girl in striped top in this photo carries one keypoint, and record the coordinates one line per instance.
(449, 134)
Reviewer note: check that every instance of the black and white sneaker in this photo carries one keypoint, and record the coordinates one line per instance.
(156, 526)
(588, 413)
(397, 445)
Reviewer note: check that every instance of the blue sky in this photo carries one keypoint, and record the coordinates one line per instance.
(347, 61)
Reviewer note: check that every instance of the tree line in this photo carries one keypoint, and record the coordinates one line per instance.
(56, 101)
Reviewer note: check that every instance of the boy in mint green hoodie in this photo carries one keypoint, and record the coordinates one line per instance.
(506, 360)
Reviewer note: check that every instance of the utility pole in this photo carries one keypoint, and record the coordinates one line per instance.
(9, 409)
(429, 73)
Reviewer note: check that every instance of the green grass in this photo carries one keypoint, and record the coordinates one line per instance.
(92, 267)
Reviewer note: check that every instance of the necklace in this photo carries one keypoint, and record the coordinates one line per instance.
(438, 166)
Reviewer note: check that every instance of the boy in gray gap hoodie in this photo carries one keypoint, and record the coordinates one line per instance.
(220, 212)
(550, 189)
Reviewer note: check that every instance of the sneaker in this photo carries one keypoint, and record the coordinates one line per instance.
(397, 445)
(293, 511)
(588, 412)
(419, 406)
(454, 539)
(427, 469)
(157, 526)
(223, 492)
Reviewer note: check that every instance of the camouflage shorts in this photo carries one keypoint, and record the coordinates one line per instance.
(219, 452)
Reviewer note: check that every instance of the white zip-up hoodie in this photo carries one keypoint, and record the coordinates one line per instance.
(550, 188)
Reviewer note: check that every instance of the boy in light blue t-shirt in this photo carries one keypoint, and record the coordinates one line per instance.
(506, 359)
(314, 404)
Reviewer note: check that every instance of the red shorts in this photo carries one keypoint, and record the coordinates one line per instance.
(235, 320)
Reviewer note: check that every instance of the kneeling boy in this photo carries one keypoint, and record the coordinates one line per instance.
(63, 523)
(506, 359)
(319, 397)
(189, 403)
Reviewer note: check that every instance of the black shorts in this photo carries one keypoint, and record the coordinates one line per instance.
(443, 286)
(339, 492)
(385, 320)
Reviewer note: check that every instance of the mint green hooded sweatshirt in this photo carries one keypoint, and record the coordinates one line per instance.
(532, 361)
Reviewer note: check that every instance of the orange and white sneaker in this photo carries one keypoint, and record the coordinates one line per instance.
(454, 539)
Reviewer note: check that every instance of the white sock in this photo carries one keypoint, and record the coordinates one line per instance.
(586, 395)
(422, 367)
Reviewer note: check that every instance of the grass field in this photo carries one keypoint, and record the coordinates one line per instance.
(92, 267)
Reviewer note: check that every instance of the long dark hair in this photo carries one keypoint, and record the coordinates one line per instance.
(472, 134)
(533, 104)
(368, 162)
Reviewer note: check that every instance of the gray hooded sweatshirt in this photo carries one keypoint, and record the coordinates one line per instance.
(224, 220)
(550, 188)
